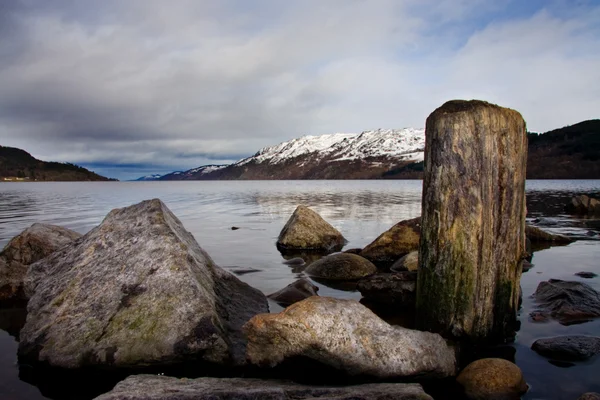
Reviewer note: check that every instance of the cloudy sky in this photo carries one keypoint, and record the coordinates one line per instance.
(132, 87)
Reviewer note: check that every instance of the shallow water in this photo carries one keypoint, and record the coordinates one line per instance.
(361, 210)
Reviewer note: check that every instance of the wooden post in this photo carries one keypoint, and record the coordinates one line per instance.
(473, 221)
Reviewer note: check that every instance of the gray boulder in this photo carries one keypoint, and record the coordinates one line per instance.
(566, 301)
(341, 266)
(136, 290)
(294, 292)
(306, 230)
(589, 396)
(568, 348)
(152, 387)
(394, 243)
(33, 244)
(346, 335)
(396, 289)
(409, 262)
(537, 235)
(583, 205)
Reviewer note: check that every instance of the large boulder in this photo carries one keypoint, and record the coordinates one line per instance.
(492, 378)
(341, 266)
(568, 348)
(152, 387)
(294, 292)
(583, 205)
(409, 262)
(397, 289)
(394, 243)
(136, 290)
(346, 335)
(306, 230)
(566, 301)
(537, 235)
(34, 243)
(589, 396)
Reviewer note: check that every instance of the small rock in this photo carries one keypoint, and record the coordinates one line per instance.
(152, 387)
(409, 262)
(585, 274)
(583, 205)
(346, 335)
(295, 292)
(294, 261)
(568, 348)
(33, 244)
(526, 265)
(390, 288)
(235, 228)
(341, 266)
(567, 301)
(536, 235)
(492, 378)
(307, 230)
(242, 270)
(394, 243)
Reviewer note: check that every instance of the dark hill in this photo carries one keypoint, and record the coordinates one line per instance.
(17, 164)
(572, 152)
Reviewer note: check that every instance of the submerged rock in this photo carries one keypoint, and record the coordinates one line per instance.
(566, 301)
(152, 387)
(586, 274)
(396, 289)
(294, 292)
(341, 266)
(409, 262)
(583, 205)
(492, 378)
(346, 335)
(536, 235)
(394, 243)
(307, 230)
(136, 290)
(33, 244)
(295, 261)
(568, 348)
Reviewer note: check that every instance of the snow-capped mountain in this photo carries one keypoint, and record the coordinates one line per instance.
(152, 177)
(404, 143)
(381, 153)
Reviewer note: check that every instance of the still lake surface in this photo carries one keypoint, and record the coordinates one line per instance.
(361, 210)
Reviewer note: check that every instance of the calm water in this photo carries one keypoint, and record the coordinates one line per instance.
(361, 210)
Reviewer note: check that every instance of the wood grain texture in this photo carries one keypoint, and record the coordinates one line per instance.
(473, 220)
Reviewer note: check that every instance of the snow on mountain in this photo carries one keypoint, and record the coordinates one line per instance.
(407, 143)
(152, 177)
(205, 169)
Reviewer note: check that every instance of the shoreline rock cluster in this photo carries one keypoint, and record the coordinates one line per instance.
(138, 291)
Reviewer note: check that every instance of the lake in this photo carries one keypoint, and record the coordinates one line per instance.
(361, 210)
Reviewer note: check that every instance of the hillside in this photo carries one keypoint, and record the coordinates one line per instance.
(368, 155)
(572, 152)
(17, 164)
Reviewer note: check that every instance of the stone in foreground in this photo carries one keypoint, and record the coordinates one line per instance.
(394, 243)
(568, 348)
(306, 230)
(346, 335)
(492, 378)
(583, 205)
(341, 266)
(136, 290)
(33, 244)
(589, 396)
(397, 289)
(152, 387)
(294, 292)
(566, 301)
(409, 262)
(537, 235)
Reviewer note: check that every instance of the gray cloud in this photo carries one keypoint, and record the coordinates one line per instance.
(180, 83)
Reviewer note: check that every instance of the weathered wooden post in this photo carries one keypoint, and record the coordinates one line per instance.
(473, 221)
